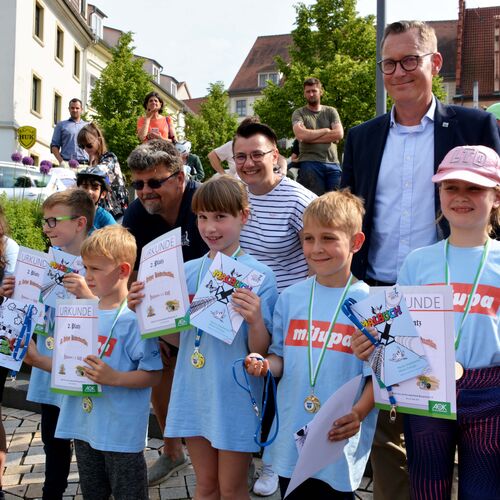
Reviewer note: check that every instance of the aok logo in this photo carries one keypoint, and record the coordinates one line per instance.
(440, 407)
(89, 388)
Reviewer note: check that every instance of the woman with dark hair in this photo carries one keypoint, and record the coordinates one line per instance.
(154, 125)
(8, 257)
(91, 139)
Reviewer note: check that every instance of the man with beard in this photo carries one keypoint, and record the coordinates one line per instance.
(318, 129)
(163, 203)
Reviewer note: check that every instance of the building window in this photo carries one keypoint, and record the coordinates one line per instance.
(76, 63)
(38, 22)
(173, 89)
(83, 8)
(241, 107)
(57, 108)
(36, 95)
(156, 74)
(59, 44)
(96, 25)
(92, 82)
(265, 77)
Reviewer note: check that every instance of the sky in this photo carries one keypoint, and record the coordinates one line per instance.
(202, 42)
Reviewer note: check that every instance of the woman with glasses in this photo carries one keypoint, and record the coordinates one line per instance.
(91, 139)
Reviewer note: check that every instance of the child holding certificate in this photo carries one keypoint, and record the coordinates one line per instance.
(207, 407)
(469, 260)
(8, 255)
(311, 350)
(67, 218)
(110, 430)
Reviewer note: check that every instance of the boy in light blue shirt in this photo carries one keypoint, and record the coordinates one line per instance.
(110, 431)
(311, 351)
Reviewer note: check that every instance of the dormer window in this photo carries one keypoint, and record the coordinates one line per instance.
(96, 24)
(156, 74)
(265, 77)
(173, 89)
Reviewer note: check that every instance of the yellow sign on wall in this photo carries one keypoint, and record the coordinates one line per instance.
(26, 136)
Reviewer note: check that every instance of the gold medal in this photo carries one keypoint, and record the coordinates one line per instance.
(197, 359)
(49, 343)
(312, 404)
(459, 370)
(87, 404)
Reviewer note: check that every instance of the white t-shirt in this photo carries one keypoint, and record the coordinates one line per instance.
(225, 153)
(271, 234)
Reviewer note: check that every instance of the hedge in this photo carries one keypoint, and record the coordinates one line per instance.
(25, 221)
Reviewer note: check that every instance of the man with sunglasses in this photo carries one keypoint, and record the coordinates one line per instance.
(64, 143)
(389, 161)
(163, 203)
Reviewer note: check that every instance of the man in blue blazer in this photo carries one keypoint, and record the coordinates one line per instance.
(389, 161)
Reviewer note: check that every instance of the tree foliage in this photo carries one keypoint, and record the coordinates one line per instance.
(213, 126)
(334, 44)
(118, 96)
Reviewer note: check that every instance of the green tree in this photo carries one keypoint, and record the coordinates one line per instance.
(334, 44)
(213, 127)
(118, 96)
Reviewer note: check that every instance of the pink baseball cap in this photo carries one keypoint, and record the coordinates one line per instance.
(475, 164)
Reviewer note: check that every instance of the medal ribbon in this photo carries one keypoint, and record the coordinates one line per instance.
(197, 339)
(313, 373)
(118, 314)
(479, 272)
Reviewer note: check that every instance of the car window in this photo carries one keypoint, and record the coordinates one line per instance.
(8, 177)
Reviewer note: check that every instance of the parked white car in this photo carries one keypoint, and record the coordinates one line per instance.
(22, 182)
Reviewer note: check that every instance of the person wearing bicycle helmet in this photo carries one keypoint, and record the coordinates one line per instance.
(193, 161)
(95, 181)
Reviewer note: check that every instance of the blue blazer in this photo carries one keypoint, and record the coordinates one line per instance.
(364, 147)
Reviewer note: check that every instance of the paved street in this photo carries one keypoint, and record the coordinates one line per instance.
(23, 476)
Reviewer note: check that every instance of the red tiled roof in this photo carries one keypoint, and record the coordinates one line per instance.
(478, 51)
(446, 32)
(260, 59)
(194, 104)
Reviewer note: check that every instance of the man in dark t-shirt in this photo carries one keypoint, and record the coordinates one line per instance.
(163, 203)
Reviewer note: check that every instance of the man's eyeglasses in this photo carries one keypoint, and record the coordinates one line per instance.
(256, 156)
(408, 63)
(152, 183)
(52, 221)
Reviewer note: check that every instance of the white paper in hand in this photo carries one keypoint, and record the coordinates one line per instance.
(317, 450)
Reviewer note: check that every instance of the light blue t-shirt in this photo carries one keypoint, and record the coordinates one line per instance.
(480, 342)
(39, 386)
(290, 341)
(119, 417)
(102, 218)
(207, 401)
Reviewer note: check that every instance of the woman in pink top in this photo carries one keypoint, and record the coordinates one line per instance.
(154, 125)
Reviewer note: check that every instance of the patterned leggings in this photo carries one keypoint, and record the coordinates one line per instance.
(431, 442)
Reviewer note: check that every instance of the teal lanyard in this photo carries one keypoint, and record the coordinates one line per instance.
(313, 373)
(117, 315)
(479, 272)
(197, 338)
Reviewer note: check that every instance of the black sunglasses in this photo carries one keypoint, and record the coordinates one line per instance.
(152, 183)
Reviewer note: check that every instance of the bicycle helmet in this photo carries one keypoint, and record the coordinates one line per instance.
(183, 147)
(96, 174)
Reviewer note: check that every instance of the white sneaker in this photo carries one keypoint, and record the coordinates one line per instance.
(267, 483)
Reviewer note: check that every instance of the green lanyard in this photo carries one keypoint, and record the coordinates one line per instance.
(479, 272)
(118, 314)
(313, 374)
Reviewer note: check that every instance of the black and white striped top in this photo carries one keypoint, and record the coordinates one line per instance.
(271, 234)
